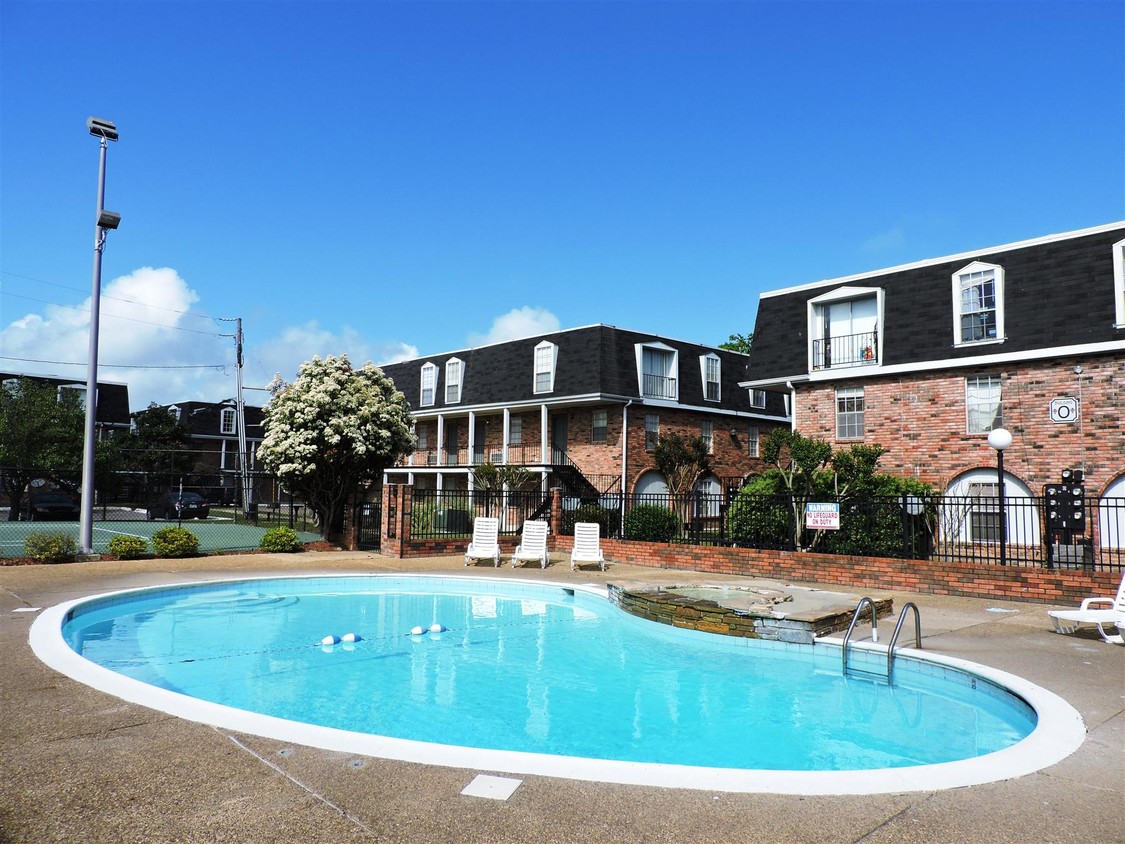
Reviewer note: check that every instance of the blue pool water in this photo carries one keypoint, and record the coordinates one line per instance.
(536, 668)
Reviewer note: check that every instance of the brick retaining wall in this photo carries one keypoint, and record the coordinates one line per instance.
(1036, 585)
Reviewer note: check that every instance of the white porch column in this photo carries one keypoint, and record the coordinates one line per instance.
(505, 434)
(440, 442)
(472, 438)
(544, 436)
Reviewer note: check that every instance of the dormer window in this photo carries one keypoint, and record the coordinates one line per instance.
(978, 304)
(844, 328)
(429, 384)
(227, 423)
(78, 390)
(175, 412)
(546, 354)
(758, 399)
(453, 369)
(657, 368)
(711, 368)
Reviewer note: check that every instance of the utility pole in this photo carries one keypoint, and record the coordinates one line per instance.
(240, 405)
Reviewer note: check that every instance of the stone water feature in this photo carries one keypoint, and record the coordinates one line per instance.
(753, 610)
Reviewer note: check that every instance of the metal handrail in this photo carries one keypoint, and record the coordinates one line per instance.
(909, 605)
(851, 627)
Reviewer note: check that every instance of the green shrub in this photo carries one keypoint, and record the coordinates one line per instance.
(589, 512)
(760, 515)
(128, 547)
(175, 542)
(651, 523)
(50, 547)
(282, 540)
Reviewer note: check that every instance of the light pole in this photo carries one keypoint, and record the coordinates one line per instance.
(1000, 439)
(105, 131)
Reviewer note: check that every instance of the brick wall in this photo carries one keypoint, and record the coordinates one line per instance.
(858, 573)
(920, 420)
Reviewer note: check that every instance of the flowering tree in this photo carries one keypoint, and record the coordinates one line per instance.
(332, 430)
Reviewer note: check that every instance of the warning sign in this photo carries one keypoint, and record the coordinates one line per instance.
(820, 516)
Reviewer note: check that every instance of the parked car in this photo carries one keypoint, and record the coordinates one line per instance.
(179, 505)
(51, 506)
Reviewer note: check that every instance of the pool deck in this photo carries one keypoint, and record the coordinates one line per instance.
(77, 765)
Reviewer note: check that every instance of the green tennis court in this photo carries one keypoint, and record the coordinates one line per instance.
(214, 535)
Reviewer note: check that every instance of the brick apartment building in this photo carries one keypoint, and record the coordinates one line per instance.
(581, 408)
(926, 358)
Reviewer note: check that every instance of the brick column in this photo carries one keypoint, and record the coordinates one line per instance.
(556, 510)
(395, 520)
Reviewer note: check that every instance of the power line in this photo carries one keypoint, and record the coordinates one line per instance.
(118, 316)
(216, 366)
(79, 290)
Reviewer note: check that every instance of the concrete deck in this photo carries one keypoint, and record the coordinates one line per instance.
(77, 765)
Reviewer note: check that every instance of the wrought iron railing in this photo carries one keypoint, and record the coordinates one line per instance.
(848, 350)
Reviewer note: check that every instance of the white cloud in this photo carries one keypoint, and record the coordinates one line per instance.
(520, 322)
(168, 352)
(297, 344)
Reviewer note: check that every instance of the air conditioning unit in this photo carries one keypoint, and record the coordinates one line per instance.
(496, 457)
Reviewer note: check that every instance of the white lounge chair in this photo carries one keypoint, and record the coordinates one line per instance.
(534, 544)
(587, 545)
(485, 544)
(1112, 615)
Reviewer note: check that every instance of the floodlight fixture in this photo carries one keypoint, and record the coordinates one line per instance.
(102, 128)
(109, 219)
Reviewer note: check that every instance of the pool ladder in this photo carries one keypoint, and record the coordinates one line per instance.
(867, 602)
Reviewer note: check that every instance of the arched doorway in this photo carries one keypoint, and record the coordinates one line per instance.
(970, 511)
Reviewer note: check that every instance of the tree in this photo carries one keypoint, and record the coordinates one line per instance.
(738, 343)
(41, 436)
(682, 460)
(333, 430)
(159, 446)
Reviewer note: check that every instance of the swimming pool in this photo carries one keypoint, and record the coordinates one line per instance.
(547, 678)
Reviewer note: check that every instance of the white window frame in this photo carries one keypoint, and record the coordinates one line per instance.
(815, 313)
(77, 389)
(429, 373)
(1119, 284)
(975, 406)
(175, 412)
(652, 430)
(543, 363)
(753, 441)
(707, 434)
(979, 268)
(224, 414)
(595, 427)
(454, 377)
(758, 399)
(847, 419)
(673, 371)
(711, 365)
(515, 430)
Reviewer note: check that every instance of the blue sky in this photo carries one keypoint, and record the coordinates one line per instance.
(392, 179)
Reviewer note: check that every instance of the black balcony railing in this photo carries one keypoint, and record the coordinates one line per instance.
(659, 387)
(848, 350)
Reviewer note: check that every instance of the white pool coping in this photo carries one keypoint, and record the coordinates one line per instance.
(1058, 733)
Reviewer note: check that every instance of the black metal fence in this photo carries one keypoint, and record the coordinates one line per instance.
(942, 528)
(213, 505)
(439, 514)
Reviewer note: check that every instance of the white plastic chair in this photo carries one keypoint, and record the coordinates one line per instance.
(485, 544)
(587, 545)
(1068, 621)
(534, 544)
